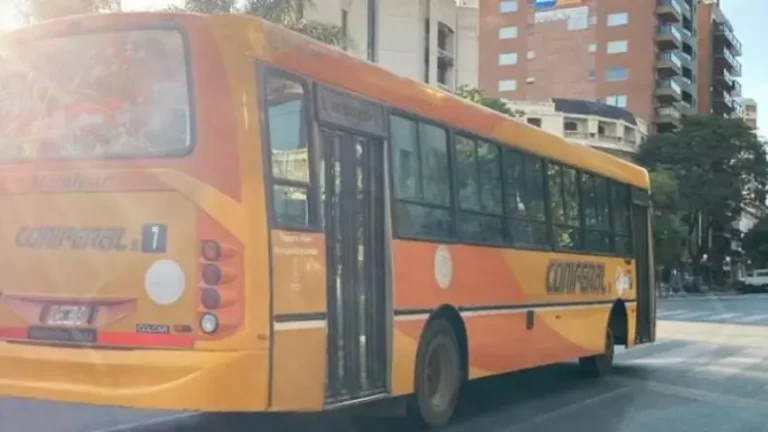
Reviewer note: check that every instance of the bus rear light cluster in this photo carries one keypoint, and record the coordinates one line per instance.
(217, 292)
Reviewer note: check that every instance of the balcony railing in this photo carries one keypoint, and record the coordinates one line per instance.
(730, 37)
(672, 3)
(670, 84)
(669, 30)
(669, 56)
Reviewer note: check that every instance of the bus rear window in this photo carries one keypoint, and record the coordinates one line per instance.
(95, 95)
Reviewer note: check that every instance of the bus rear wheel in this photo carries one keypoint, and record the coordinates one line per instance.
(600, 365)
(438, 377)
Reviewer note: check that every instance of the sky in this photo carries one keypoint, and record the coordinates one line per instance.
(748, 23)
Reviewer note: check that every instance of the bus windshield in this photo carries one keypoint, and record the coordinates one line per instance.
(95, 95)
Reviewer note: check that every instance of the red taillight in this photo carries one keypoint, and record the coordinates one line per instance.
(211, 274)
(210, 250)
(210, 298)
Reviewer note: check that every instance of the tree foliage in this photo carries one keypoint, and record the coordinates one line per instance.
(479, 97)
(719, 166)
(43, 10)
(291, 14)
(669, 234)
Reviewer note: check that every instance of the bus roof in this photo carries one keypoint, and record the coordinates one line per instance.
(296, 53)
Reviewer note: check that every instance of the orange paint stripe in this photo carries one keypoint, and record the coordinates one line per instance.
(117, 338)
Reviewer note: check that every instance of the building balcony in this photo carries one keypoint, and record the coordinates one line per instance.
(668, 117)
(729, 62)
(668, 64)
(668, 91)
(723, 103)
(736, 90)
(669, 11)
(724, 32)
(604, 141)
(668, 38)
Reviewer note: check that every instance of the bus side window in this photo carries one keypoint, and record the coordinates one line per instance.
(478, 168)
(289, 154)
(525, 199)
(620, 210)
(564, 206)
(597, 226)
(421, 179)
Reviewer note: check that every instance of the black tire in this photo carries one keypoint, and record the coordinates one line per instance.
(600, 365)
(438, 378)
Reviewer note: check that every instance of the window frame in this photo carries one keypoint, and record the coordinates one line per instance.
(586, 228)
(547, 220)
(620, 74)
(513, 10)
(612, 43)
(314, 211)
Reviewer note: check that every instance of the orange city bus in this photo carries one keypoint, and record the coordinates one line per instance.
(213, 213)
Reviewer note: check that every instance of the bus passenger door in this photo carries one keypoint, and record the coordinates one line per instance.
(353, 199)
(646, 294)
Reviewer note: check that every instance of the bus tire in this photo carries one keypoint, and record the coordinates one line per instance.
(600, 365)
(438, 376)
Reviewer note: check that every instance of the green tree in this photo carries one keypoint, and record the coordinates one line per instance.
(479, 97)
(720, 166)
(669, 235)
(42, 10)
(287, 13)
(755, 244)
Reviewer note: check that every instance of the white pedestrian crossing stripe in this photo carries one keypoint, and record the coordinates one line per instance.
(751, 318)
(714, 316)
(734, 364)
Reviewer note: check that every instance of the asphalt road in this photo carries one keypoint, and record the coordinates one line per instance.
(707, 372)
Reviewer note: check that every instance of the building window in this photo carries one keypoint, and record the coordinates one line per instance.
(590, 75)
(506, 59)
(534, 121)
(617, 47)
(372, 30)
(508, 6)
(617, 19)
(571, 126)
(507, 85)
(508, 32)
(422, 185)
(592, 48)
(616, 74)
(617, 101)
(530, 55)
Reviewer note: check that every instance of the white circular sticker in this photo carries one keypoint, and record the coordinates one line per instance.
(164, 282)
(443, 267)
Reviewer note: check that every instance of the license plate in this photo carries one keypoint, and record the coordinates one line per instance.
(69, 314)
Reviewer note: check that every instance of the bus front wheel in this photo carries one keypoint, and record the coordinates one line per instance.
(601, 364)
(438, 376)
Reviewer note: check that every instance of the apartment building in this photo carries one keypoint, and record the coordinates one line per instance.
(608, 128)
(749, 111)
(718, 87)
(433, 41)
(595, 50)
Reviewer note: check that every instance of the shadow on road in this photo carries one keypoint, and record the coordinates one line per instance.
(482, 401)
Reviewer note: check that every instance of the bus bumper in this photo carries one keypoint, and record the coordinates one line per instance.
(146, 379)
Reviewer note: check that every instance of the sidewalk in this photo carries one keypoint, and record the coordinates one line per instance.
(711, 296)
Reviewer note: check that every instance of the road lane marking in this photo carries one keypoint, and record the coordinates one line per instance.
(724, 316)
(752, 318)
(688, 315)
(677, 355)
(733, 364)
(669, 313)
(570, 408)
(698, 394)
(146, 423)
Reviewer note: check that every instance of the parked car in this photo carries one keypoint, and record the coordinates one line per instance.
(754, 281)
